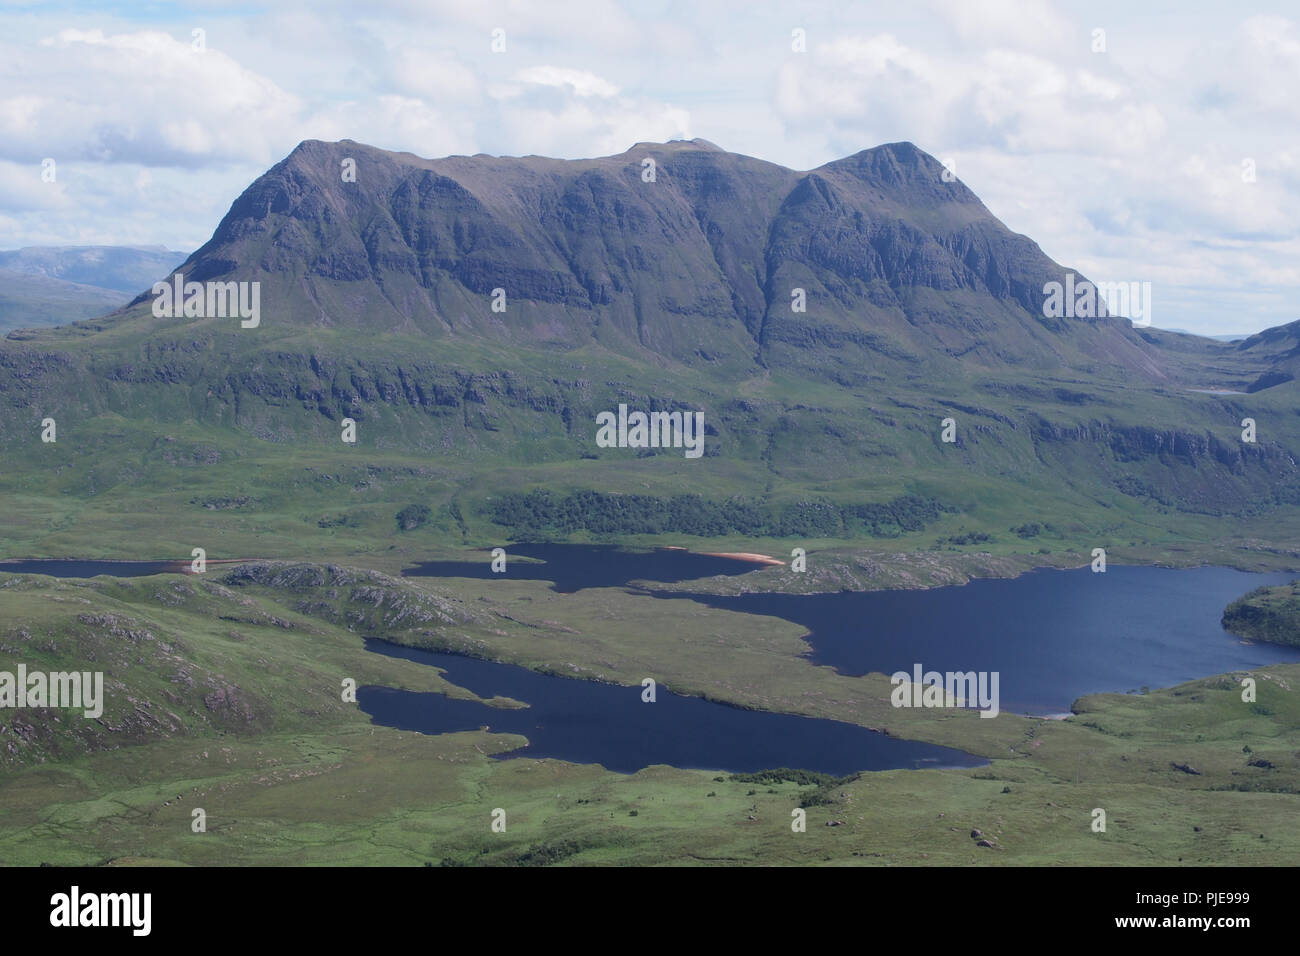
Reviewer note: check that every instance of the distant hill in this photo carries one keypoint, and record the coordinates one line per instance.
(1282, 347)
(1237, 337)
(30, 301)
(128, 269)
(52, 285)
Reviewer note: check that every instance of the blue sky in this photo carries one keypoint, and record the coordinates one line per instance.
(1124, 162)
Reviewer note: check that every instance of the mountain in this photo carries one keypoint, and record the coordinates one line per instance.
(671, 291)
(699, 266)
(51, 285)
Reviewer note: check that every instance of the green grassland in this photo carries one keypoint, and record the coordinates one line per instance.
(233, 705)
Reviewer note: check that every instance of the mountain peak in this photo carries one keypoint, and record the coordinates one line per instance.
(907, 174)
(678, 144)
(900, 161)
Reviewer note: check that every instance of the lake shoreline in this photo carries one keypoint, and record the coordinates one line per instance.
(866, 571)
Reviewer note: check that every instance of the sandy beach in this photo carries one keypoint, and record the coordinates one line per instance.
(735, 555)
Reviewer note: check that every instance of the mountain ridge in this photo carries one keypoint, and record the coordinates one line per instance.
(433, 238)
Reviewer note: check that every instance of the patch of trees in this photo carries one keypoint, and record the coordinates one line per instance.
(822, 785)
(1266, 614)
(600, 513)
(337, 521)
(412, 517)
(1030, 529)
(970, 537)
(804, 778)
(548, 854)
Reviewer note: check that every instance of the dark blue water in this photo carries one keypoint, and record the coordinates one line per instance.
(588, 722)
(1053, 636)
(572, 567)
(76, 568)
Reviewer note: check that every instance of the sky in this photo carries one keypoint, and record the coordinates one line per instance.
(1135, 142)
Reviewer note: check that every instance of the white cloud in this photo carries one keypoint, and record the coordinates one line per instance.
(434, 74)
(1010, 24)
(142, 97)
(581, 82)
(394, 122)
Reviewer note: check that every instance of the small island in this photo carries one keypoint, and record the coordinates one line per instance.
(1266, 614)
